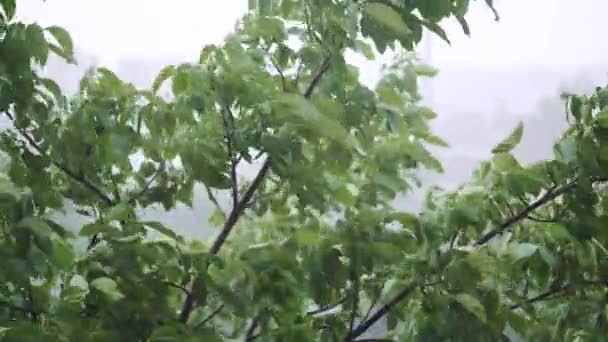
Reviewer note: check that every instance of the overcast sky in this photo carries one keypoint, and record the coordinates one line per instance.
(531, 32)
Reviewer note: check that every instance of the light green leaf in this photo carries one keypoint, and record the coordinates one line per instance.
(63, 255)
(425, 70)
(307, 237)
(387, 16)
(365, 49)
(504, 162)
(119, 212)
(294, 105)
(602, 119)
(78, 281)
(435, 140)
(164, 74)
(161, 228)
(98, 228)
(522, 250)
(473, 305)
(108, 287)
(76, 289)
(52, 87)
(509, 143)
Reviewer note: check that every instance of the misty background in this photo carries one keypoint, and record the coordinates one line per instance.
(505, 72)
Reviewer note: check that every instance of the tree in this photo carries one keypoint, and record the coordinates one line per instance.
(311, 247)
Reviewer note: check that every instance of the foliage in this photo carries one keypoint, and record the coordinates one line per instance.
(311, 248)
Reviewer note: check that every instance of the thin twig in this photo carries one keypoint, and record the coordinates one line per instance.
(78, 178)
(214, 200)
(146, 186)
(276, 66)
(177, 286)
(211, 315)
(541, 220)
(296, 80)
(556, 290)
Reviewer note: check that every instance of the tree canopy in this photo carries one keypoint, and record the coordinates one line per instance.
(311, 247)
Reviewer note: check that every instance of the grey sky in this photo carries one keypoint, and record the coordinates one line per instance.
(531, 32)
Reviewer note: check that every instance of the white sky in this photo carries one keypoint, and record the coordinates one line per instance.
(531, 32)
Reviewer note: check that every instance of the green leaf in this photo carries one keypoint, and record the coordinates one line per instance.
(509, 143)
(98, 228)
(490, 4)
(66, 46)
(119, 212)
(39, 48)
(522, 250)
(166, 73)
(8, 7)
(365, 49)
(461, 7)
(63, 255)
(387, 16)
(108, 287)
(602, 119)
(294, 105)
(76, 289)
(425, 70)
(307, 237)
(464, 24)
(473, 305)
(161, 228)
(52, 87)
(435, 140)
(438, 30)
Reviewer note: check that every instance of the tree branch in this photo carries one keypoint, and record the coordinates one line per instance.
(371, 306)
(381, 312)
(233, 160)
(549, 196)
(317, 77)
(252, 328)
(76, 177)
(177, 286)
(238, 210)
(543, 296)
(325, 308)
(355, 280)
(555, 290)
